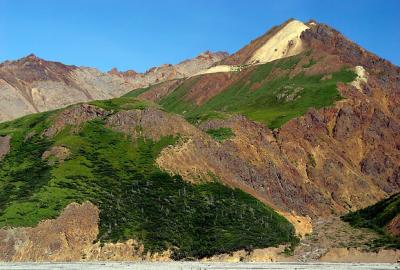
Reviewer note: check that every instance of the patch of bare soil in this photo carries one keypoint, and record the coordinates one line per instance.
(4, 146)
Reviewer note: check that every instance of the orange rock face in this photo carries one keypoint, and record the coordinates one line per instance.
(63, 239)
(70, 237)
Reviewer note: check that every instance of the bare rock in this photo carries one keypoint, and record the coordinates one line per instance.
(150, 123)
(32, 84)
(394, 226)
(4, 146)
(70, 237)
(74, 116)
(61, 153)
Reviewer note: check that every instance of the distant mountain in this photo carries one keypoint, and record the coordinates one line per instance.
(216, 156)
(31, 84)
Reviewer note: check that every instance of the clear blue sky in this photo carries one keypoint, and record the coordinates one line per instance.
(141, 34)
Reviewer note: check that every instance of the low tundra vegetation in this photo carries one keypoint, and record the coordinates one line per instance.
(265, 97)
(221, 134)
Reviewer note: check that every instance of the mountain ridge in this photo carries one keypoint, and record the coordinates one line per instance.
(32, 84)
(303, 139)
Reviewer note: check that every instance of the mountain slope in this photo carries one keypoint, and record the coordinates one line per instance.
(107, 157)
(311, 129)
(331, 97)
(31, 84)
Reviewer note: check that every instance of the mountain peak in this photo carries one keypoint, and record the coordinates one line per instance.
(280, 41)
(128, 73)
(31, 56)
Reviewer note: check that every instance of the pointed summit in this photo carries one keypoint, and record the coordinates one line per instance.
(31, 56)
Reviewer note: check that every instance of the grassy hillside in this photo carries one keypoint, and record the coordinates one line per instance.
(272, 101)
(136, 199)
(377, 217)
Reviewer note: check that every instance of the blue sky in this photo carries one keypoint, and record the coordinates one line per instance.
(141, 34)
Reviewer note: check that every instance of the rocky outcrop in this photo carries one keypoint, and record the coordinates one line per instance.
(74, 116)
(169, 72)
(4, 146)
(70, 237)
(150, 123)
(65, 238)
(60, 153)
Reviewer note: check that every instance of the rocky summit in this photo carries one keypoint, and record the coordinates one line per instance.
(287, 150)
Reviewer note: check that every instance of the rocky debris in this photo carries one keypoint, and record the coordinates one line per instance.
(244, 55)
(4, 146)
(272, 254)
(74, 116)
(70, 237)
(150, 123)
(286, 42)
(128, 73)
(356, 255)
(60, 153)
(328, 234)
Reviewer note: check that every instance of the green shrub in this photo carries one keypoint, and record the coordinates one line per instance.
(221, 134)
(377, 217)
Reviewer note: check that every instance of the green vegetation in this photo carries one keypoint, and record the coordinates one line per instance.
(377, 217)
(137, 92)
(210, 115)
(221, 134)
(275, 101)
(122, 104)
(136, 199)
(310, 63)
(175, 101)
